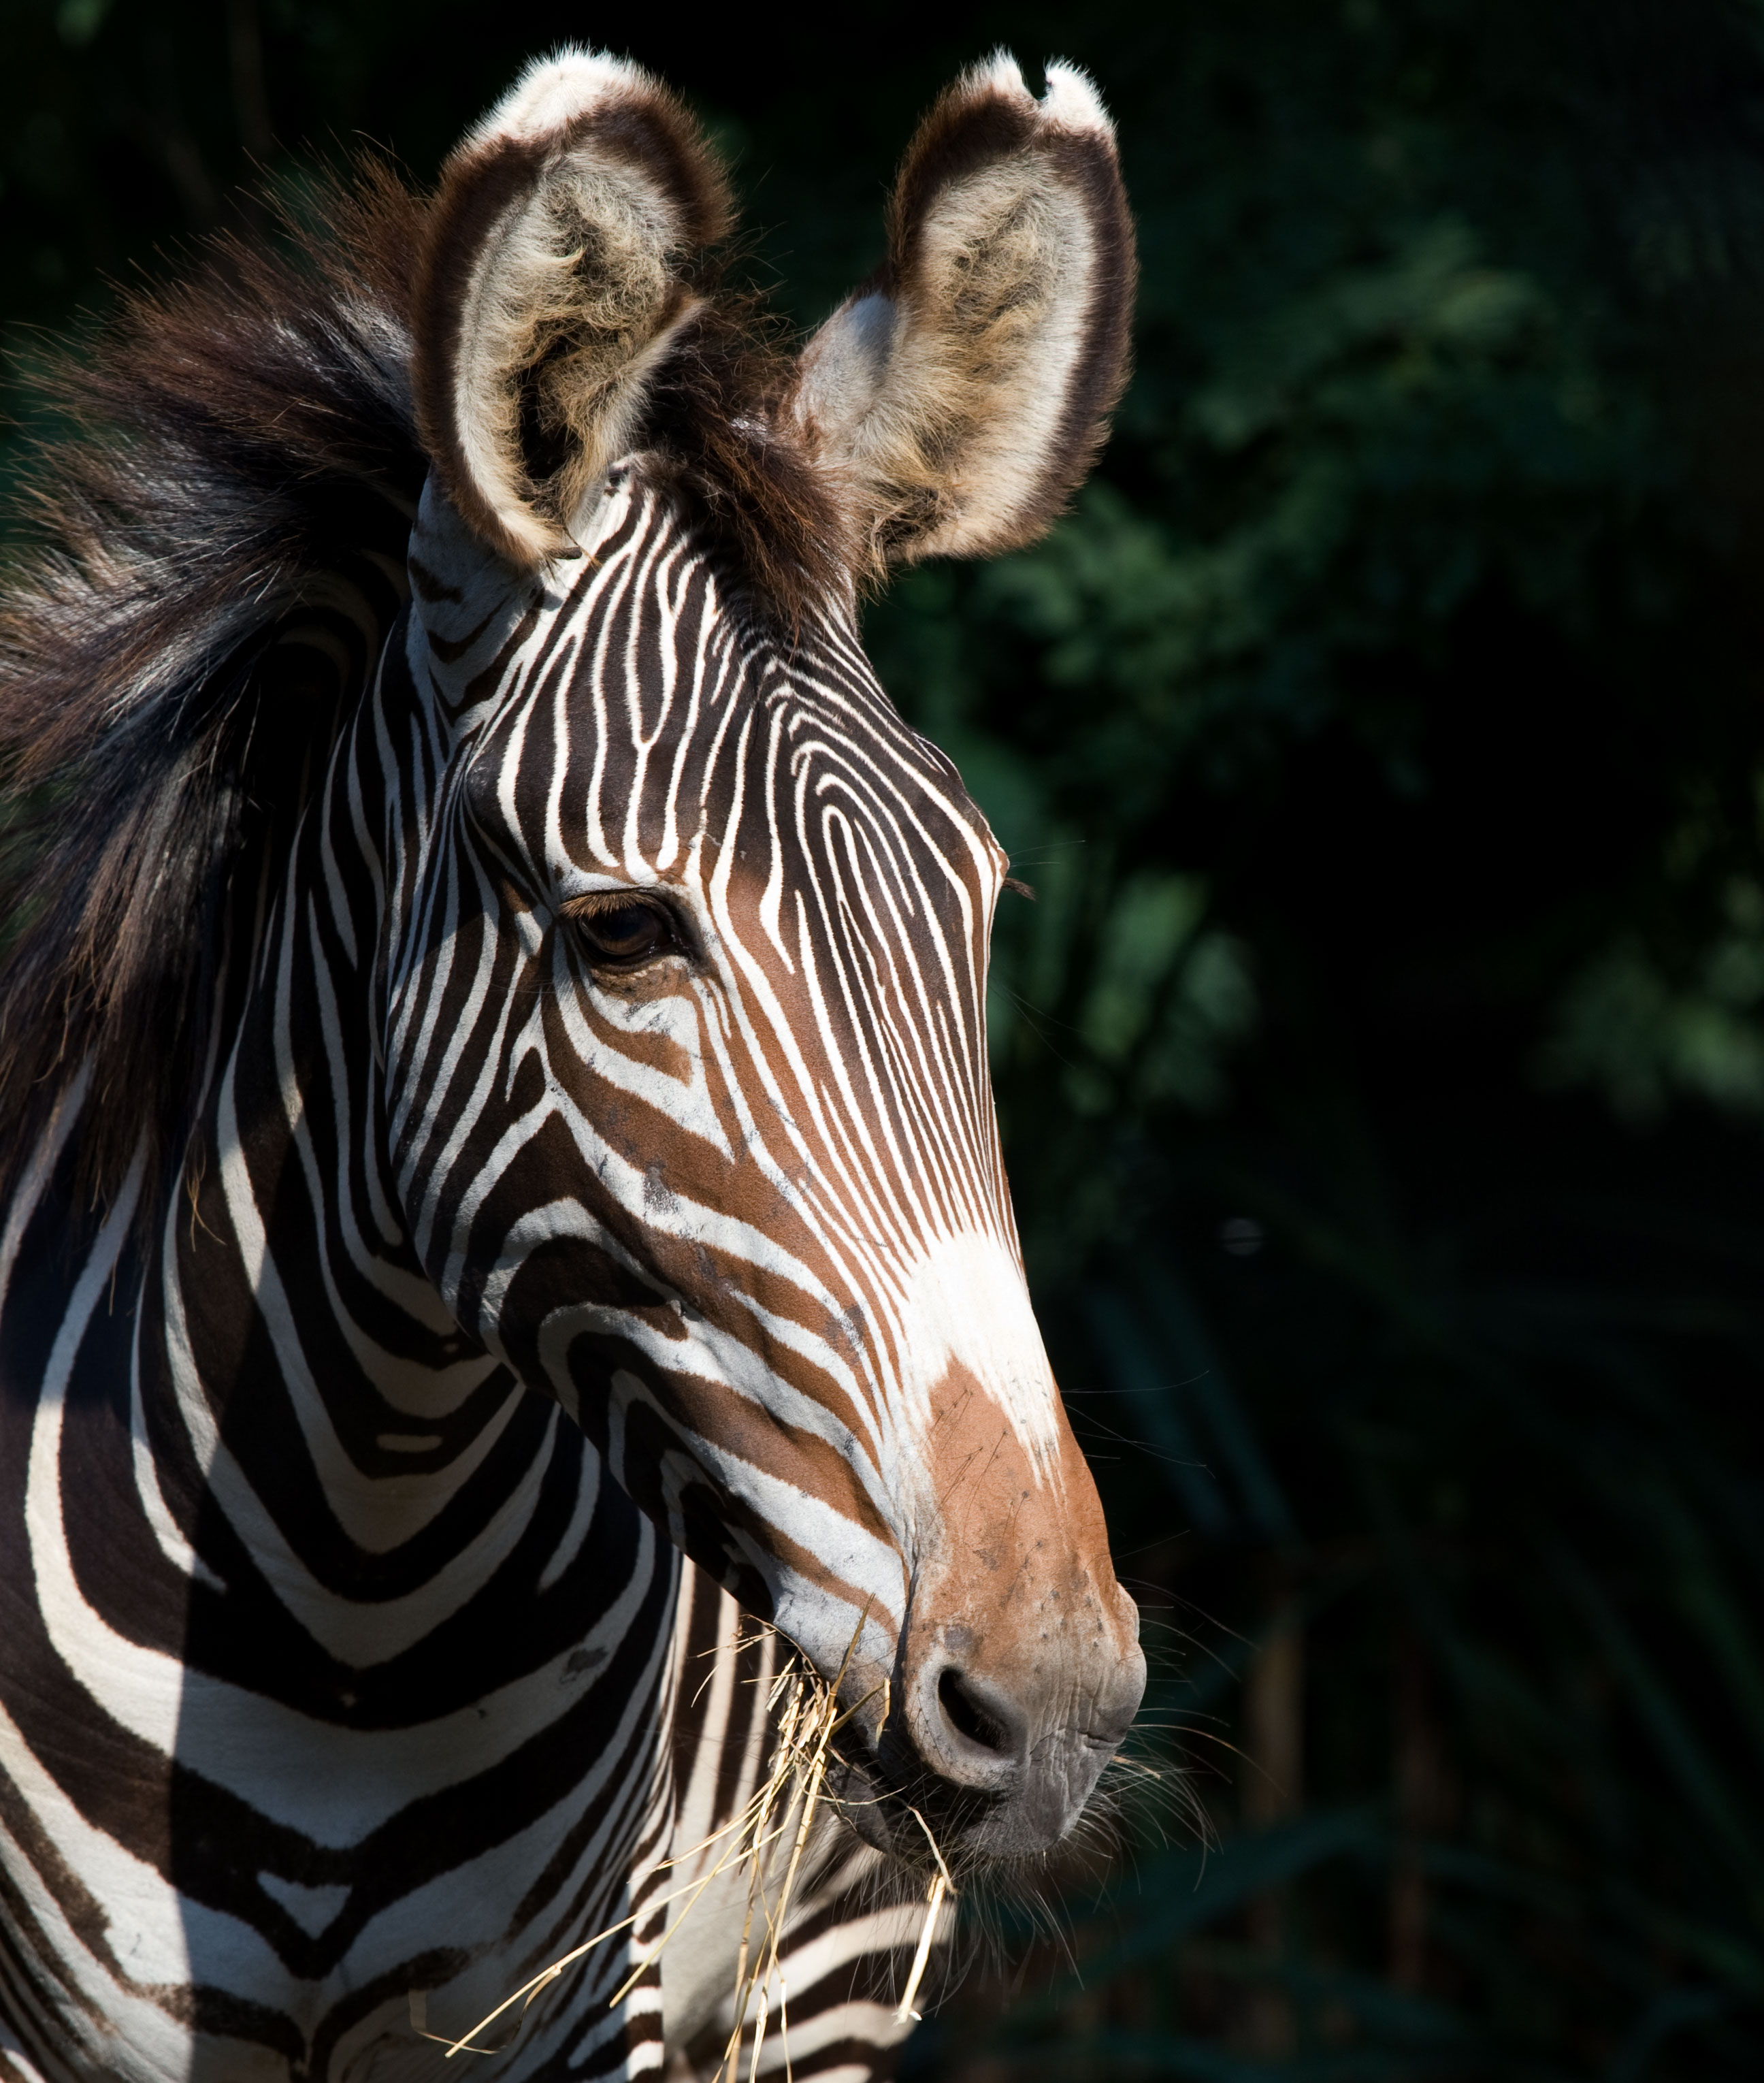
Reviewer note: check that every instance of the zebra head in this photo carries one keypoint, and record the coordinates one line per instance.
(685, 963)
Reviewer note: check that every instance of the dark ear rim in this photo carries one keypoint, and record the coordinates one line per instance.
(977, 121)
(635, 122)
(939, 448)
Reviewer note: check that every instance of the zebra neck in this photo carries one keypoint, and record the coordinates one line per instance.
(302, 1351)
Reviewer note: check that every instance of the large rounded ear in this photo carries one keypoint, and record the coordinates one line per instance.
(552, 283)
(959, 398)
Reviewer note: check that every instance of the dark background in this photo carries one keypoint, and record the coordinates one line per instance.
(1382, 1065)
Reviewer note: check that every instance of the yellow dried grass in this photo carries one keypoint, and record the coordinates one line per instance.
(784, 1807)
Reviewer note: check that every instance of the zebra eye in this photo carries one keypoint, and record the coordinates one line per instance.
(621, 935)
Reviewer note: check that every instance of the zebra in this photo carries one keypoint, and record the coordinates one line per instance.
(501, 1189)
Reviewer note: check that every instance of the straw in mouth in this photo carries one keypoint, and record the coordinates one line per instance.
(783, 1810)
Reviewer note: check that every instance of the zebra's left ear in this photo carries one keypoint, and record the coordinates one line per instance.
(957, 399)
(552, 283)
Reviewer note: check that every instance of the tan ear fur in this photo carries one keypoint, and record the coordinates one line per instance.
(550, 286)
(959, 397)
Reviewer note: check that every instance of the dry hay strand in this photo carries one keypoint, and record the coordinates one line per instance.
(783, 1810)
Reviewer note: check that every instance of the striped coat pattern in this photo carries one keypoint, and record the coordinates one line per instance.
(561, 1225)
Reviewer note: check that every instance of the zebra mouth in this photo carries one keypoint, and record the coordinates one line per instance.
(986, 1787)
(896, 1806)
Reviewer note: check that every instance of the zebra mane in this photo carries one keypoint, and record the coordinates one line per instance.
(218, 534)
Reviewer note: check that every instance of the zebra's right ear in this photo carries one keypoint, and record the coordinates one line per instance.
(551, 284)
(957, 398)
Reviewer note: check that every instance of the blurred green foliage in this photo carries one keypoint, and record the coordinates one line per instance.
(1382, 1060)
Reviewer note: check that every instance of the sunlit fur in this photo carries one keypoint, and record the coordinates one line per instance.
(961, 392)
(421, 1340)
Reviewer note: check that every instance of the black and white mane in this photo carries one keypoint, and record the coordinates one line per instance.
(219, 537)
(506, 1275)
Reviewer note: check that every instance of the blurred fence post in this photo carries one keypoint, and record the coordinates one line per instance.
(1273, 1786)
(1419, 1796)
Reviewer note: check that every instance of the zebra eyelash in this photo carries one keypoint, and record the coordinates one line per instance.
(607, 963)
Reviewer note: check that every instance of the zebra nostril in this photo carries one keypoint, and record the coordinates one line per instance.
(966, 1713)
